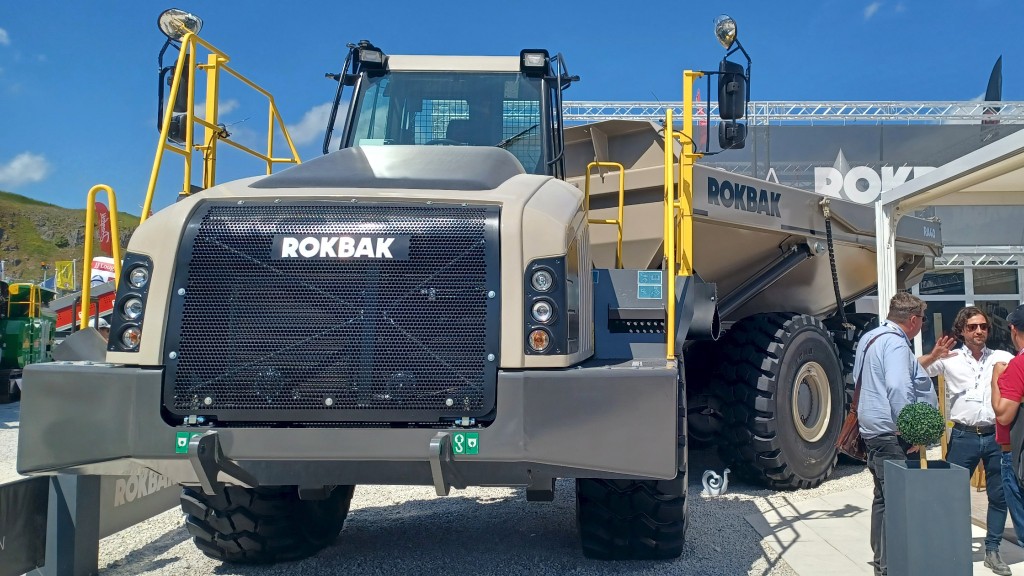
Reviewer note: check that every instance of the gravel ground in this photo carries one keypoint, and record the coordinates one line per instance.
(479, 531)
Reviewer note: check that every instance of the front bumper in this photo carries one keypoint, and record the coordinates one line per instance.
(599, 421)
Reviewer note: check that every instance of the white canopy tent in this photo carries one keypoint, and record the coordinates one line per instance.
(989, 176)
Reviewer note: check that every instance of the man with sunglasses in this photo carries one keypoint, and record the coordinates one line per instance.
(966, 363)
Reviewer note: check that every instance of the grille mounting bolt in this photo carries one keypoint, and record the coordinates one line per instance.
(207, 400)
(240, 202)
(181, 291)
(490, 357)
(277, 200)
(449, 402)
(172, 355)
(491, 294)
(328, 401)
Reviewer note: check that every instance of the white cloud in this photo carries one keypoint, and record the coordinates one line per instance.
(313, 124)
(5, 40)
(23, 169)
(871, 10)
(225, 107)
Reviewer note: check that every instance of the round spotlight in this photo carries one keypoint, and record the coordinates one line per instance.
(540, 340)
(132, 308)
(175, 23)
(131, 337)
(725, 30)
(138, 277)
(542, 281)
(542, 311)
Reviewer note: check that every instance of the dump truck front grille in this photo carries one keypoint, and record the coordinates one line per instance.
(313, 312)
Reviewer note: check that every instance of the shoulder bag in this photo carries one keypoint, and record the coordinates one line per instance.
(850, 441)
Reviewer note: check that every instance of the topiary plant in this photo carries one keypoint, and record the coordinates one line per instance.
(920, 424)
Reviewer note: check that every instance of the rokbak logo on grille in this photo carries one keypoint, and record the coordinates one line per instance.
(341, 247)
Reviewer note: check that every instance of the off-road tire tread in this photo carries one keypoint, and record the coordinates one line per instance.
(263, 525)
(750, 445)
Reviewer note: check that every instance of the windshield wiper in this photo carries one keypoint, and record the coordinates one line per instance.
(516, 136)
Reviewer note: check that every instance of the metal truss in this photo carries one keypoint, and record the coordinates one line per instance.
(832, 113)
(982, 256)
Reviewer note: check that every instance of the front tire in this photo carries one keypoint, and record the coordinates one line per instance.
(784, 389)
(636, 519)
(263, 525)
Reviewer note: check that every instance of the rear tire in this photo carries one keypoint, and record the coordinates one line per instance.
(263, 525)
(863, 322)
(635, 519)
(785, 400)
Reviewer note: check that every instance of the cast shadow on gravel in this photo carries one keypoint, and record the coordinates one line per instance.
(145, 559)
(507, 535)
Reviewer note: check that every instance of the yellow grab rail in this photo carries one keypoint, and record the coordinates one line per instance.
(678, 218)
(115, 248)
(622, 204)
(216, 63)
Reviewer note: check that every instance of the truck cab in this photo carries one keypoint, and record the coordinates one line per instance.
(508, 103)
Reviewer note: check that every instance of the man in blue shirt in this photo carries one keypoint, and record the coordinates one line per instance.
(889, 377)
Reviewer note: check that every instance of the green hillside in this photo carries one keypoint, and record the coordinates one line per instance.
(34, 232)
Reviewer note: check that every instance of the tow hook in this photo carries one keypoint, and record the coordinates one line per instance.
(208, 460)
(442, 467)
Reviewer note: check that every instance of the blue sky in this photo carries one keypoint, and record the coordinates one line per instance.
(78, 79)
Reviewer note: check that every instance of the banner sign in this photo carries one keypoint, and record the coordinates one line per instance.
(102, 270)
(103, 226)
(23, 525)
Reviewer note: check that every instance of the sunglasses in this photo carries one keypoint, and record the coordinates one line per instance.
(972, 327)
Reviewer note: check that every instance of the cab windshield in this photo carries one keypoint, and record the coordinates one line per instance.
(452, 109)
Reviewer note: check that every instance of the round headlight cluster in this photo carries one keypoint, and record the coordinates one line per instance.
(138, 277)
(132, 308)
(542, 311)
(131, 337)
(541, 281)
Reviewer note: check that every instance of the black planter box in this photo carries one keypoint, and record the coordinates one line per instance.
(927, 518)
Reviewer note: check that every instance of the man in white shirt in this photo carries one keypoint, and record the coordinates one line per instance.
(967, 370)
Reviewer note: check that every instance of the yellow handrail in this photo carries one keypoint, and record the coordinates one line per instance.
(216, 63)
(678, 217)
(115, 248)
(669, 240)
(622, 204)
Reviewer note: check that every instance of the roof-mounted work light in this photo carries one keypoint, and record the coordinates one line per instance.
(369, 56)
(175, 23)
(533, 62)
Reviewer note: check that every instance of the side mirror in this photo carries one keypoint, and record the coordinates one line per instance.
(732, 91)
(181, 98)
(731, 135)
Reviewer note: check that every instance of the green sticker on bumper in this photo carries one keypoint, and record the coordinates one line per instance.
(467, 443)
(181, 440)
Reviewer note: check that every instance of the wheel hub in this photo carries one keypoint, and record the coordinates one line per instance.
(812, 402)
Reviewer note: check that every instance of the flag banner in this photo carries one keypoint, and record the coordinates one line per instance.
(65, 274)
(103, 226)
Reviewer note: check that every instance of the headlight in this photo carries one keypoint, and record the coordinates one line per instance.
(132, 308)
(539, 340)
(138, 277)
(541, 281)
(131, 337)
(542, 311)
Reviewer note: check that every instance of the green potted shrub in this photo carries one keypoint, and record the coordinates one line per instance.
(920, 424)
(927, 504)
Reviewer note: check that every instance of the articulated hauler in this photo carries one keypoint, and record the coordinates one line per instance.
(466, 293)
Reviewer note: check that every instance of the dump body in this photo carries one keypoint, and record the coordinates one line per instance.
(741, 225)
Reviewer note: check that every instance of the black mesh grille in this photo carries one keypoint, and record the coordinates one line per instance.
(314, 339)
